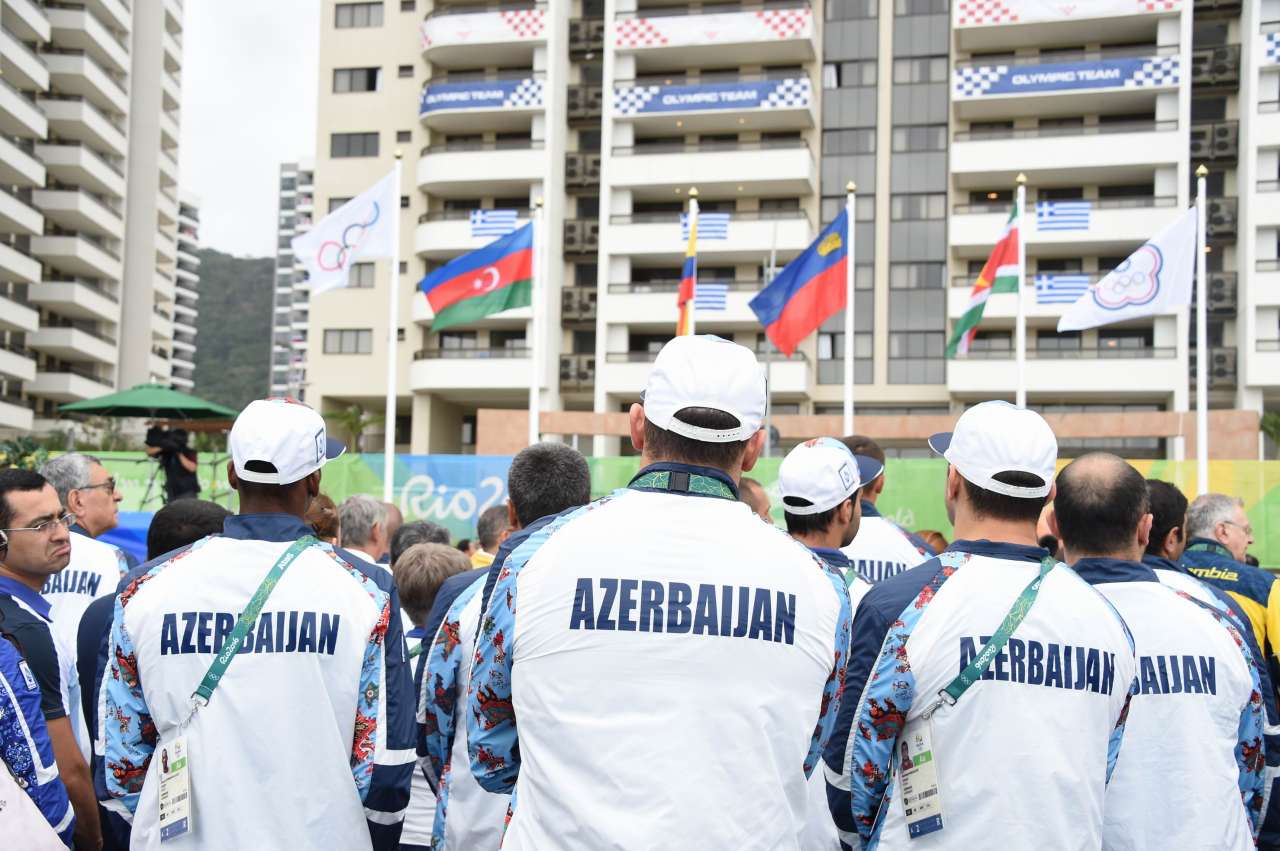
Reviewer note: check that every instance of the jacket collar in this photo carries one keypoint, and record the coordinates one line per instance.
(265, 527)
(1210, 545)
(1099, 571)
(999, 549)
(80, 530)
(1161, 563)
(869, 508)
(692, 470)
(10, 587)
(833, 557)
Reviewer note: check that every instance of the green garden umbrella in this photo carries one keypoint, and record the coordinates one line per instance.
(154, 401)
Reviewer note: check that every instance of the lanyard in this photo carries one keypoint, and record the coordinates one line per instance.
(975, 669)
(218, 668)
(681, 482)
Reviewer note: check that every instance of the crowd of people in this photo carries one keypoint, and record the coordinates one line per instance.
(1091, 663)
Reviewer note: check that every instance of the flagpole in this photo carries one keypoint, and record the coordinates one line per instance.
(1020, 333)
(1202, 351)
(769, 273)
(693, 228)
(850, 199)
(393, 323)
(535, 296)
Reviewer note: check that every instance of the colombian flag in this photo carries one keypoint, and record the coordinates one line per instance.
(488, 280)
(688, 279)
(808, 292)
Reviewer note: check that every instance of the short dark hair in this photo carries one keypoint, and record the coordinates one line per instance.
(998, 506)
(417, 532)
(14, 479)
(1168, 507)
(490, 526)
(464, 545)
(183, 522)
(860, 444)
(808, 524)
(1100, 501)
(546, 479)
(666, 445)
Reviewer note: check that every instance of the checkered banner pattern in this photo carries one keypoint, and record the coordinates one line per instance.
(726, 28)
(1128, 73)
(482, 94)
(978, 80)
(528, 93)
(484, 27)
(986, 13)
(1162, 71)
(789, 93)
(1270, 52)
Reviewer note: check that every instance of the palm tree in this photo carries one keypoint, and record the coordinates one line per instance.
(352, 422)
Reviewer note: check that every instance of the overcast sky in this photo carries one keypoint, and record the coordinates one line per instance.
(248, 104)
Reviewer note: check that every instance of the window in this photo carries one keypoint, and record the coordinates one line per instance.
(992, 341)
(1051, 341)
(1138, 338)
(404, 135)
(404, 202)
(403, 268)
(922, 69)
(361, 276)
(513, 340)
(352, 15)
(916, 358)
(849, 141)
(407, 5)
(348, 341)
(356, 80)
(924, 137)
(849, 75)
(335, 203)
(404, 71)
(850, 10)
(917, 276)
(917, 206)
(921, 7)
(458, 340)
(353, 145)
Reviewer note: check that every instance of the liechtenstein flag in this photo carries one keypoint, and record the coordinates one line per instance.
(809, 291)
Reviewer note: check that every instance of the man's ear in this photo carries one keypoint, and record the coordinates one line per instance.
(232, 479)
(75, 502)
(755, 446)
(1051, 519)
(636, 421)
(1144, 530)
(513, 522)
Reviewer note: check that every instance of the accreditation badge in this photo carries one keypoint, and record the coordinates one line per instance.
(918, 779)
(175, 789)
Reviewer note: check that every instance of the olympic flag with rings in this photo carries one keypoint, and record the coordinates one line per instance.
(360, 229)
(1155, 279)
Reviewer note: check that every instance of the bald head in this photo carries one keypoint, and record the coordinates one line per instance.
(1102, 508)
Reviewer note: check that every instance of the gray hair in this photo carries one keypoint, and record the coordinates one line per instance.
(69, 472)
(490, 526)
(357, 516)
(1208, 510)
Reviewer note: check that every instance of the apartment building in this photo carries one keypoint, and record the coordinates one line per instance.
(89, 100)
(186, 293)
(290, 298)
(611, 112)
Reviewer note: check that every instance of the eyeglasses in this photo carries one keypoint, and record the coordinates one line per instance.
(109, 485)
(1247, 529)
(47, 526)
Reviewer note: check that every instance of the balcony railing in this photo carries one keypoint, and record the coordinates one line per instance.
(483, 76)
(1269, 185)
(735, 215)
(671, 285)
(648, 357)
(79, 99)
(494, 353)
(65, 143)
(711, 9)
(1127, 202)
(1269, 264)
(1268, 346)
(462, 215)
(80, 7)
(710, 145)
(87, 284)
(1091, 353)
(1074, 130)
(470, 145)
(82, 371)
(710, 77)
(68, 51)
(479, 8)
(1056, 57)
(1269, 106)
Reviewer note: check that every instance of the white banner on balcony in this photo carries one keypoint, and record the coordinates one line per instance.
(985, 13)
(725, 28)
(1269, 49)
(484, 27)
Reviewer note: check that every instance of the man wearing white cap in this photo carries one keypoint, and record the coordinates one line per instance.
(660, 668)
(992, 682)
(263, 670)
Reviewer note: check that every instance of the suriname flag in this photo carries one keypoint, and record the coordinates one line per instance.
(488, 280)
(999, 275)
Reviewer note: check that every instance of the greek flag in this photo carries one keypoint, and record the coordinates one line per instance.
(1062, 215)
(492, 222)
(710, 226)
(1061, 289)
(710, 295)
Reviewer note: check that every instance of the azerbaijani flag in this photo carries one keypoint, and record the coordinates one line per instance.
(999, 275)
(808, 291)
(488, 280)
(688, 279)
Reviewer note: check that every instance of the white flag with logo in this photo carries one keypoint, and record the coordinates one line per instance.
(1154, 279)
(358, 230)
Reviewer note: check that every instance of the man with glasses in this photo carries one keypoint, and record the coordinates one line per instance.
(34, 545)
(88, 492)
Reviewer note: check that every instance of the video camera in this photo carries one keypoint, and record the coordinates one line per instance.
(166, 440)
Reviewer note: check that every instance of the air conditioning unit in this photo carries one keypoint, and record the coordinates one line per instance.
(585, 102)
(1222, 367)
(1220, 217)
(1222, 293)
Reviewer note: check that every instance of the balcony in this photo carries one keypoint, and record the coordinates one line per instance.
(498, 369)
(74, 119)
(1262, 367)
(18, 165)
(25, 19)
(168, 129)
(751, 234)
(74, 72)
(77, 210)
(1106, 152)
(18, 266)
(70, 386)
(74, 26)
(678, 37)
(163, 285)
(767, 168)
(16, 414)
(77, 256)
(1265, 285)
(499, 37)
(654, 302)
(19, 115)
(112, 12)
(16, 311)
(981, 25)
(20, 66)
(18, 216)
(1116, 226)
(626, 373)
(1124, 82)
(167, 209)
(168, 167)
(503, 104)
(171, 92)
(78, 165)
(77, 299)
(445, 234)
(74, 344)
(712, 103)
(1080, 373)
(172, 55)
(467, 170)
(16, 363)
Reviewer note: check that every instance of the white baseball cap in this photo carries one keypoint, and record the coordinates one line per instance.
(705, 371)
(995, 437)
(284, 433)
(824, 473)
